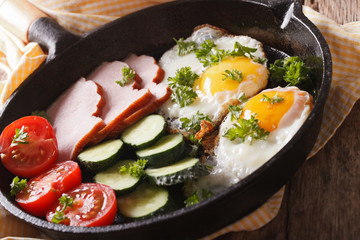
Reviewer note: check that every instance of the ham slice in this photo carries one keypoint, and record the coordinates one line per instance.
(81, 103)
(121, 102)
(152, 75)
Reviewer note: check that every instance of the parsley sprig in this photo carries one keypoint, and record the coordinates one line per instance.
(291, 70)
(197, 197)
(246, 129)
(273, 100)
(17, 185)
(128, 76)
(234, 75)
(20, 137)
(182, 86)
(59, 216)
(235, 111)
(209, 55)
(134, 169)
(185, 47)
(194, 123)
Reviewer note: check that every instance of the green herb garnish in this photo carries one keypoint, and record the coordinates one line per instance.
(208, 54)
(185, 47)
(194, 123)
(235, 111)
(20, 137)
(291, 70)
(135, 169)
(197, 197)
(241, 51)
(273, 100)
(182, 86)
(245, 129)
(17, 185)
(242, 97)
(60, 216)
(128, 76)
(233, 74)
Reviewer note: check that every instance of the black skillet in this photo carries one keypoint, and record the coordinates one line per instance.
(279, 24)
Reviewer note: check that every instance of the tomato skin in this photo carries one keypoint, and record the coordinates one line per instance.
(30, 159)
(45, 189)
(94, 205)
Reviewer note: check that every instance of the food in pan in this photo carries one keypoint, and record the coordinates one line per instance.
(196, 123)
(277, 115)
(222, 66)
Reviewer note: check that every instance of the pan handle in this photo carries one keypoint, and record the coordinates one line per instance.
(30, 24)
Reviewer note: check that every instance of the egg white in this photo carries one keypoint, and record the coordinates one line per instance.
(236, 160)
(215, 107)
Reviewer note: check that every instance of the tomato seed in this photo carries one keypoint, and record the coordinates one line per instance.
(41, 151)
(15, 151)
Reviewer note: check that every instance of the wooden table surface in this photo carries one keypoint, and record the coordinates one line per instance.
(322, 200)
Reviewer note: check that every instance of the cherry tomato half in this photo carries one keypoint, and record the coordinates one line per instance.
(94, 205)
(28, 146)
(44, 190)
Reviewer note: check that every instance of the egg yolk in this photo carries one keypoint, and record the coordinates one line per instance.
(211, 81)
(269, 113)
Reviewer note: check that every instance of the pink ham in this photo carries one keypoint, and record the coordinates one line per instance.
(121, 102)
(152, 75)
(81, 103)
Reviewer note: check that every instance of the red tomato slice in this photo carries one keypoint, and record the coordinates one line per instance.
(44, 190)
(94, 205)
(32, 153)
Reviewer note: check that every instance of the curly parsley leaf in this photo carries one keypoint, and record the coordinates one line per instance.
(182, 86)
(242, 97)
(194, 123)
(273, 100)
(59, 215)
(245, 129)
(17, 185)
(291, 70)
(20, 137)
(135, 169)
(128, 76)
(185, 47)
(234, 75)
(242, 51)
(208, 54)
(236, 112)
(197, 197)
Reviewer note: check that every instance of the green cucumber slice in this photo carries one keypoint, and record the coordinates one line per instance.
(179, 172)
(145, 132)
(101, 156)
(164, 152)
(145, 201)
(120, 182)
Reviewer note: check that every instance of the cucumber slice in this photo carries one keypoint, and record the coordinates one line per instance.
(101, 156)
(145, 132)
(146, 201)
(120, 182)
(165, 152)
(179, 172)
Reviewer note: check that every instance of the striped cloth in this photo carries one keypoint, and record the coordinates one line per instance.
(17, 61)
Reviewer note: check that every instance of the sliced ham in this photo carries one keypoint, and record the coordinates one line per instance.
(152, 75)
(81, 103)
(121, 102)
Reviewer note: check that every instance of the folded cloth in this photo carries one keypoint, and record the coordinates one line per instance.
(17, 61)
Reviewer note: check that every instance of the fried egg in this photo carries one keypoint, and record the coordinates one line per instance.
(236, 159)
(213, 93)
